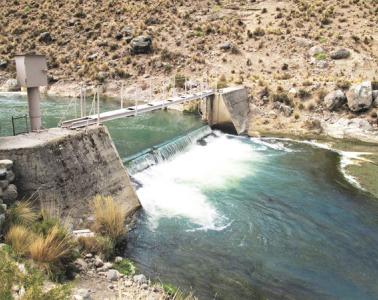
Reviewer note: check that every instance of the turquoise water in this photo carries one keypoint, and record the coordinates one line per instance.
(241, 218)
(130, 135)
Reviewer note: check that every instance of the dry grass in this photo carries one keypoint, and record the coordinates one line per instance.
(99, 245)
(52, 249)
(22, 213)
(109, 217)
(20, 238)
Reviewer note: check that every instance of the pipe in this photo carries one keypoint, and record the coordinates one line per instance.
(34, 99)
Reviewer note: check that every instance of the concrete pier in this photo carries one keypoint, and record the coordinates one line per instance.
(66, 169)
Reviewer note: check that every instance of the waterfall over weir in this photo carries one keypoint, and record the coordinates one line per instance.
(164, 151)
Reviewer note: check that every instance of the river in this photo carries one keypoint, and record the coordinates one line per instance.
(239, 218)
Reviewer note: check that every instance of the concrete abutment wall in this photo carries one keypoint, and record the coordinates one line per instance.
(228, 110)
(66, 169)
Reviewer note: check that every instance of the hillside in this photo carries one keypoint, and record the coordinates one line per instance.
(306, 47)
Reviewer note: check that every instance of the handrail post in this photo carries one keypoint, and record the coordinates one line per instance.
(98, 106)
(122, 95)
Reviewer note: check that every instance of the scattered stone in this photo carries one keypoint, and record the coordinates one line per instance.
(6, 164)
(144, 286)
(11, 85)
(83, 233)
(335, 100)
(340, 54)
(98, 262)
(140, 279)
(3, 64)
(321, 64)
(128, 283)
(285, 109)
(22, 268)
(112, 275)
(315, 50)
(10, 194)
(81, 264)
(360, 97)
(3, 174)
(118, 259)
(92, 57)
(10, 176)
(375, 99)
(141, 45)
(82, 294)
(88, 255)
(226, 46)
(45, 37)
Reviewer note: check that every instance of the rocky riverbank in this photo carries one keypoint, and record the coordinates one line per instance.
(99, 280)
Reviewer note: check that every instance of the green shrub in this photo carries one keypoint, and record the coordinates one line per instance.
(170, 289)
(320, 56)
(125, 266)
(31, 281)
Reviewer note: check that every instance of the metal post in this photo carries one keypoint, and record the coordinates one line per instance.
(98, 106)
(34, 99)
(122, 95)
(85, 101)
(81, 101)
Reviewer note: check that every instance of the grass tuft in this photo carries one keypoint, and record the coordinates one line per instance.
(109, 217)
(53, 251)
(22, 213)
(20, 239)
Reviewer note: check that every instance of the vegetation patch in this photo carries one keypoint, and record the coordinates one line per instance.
(125, 266)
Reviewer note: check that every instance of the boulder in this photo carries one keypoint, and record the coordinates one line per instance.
(335, 100)
(11, 85)
(112, 275)
(315, 50)
(10, 176)
(360, 97)
(98, 262)
(81, 264)
(285, 109)
(141, 45)
(375, 99)
(340, 54)
(3, 64)
(140, 279)
(226, 46)
(81, 294)
(6, 164)
(3, 174)
(45, 37)
(10, 194)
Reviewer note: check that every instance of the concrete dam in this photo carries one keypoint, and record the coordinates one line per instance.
(66, 168)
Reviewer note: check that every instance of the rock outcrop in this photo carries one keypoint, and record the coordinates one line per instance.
(141, 45)
(335, 100)
(360, 97)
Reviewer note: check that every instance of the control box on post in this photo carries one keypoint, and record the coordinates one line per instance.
(32, 73)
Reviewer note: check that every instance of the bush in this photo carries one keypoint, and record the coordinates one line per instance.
(22, 213)
(20, 239)
(31, 281)
(109, 217)
(125, 266)
(55, 251)
(99, 245)
(45, 223)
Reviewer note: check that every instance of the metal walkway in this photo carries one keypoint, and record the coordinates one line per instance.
(132, 111)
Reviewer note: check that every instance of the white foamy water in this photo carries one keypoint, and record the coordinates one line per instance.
(177, 187)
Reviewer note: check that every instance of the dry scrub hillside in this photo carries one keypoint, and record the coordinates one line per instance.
(296, 48)
(244, 40)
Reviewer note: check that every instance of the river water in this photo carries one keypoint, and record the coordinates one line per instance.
(239, 218)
